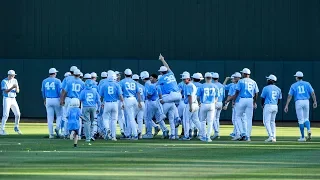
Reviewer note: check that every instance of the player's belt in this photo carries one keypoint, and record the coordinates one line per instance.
(152, 100)
(246, 97)
(129, 97)
(111, 101)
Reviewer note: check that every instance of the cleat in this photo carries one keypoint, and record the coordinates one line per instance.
(269, 139)
(166, 134)
(156, 130)
(71, 135)
(309, 136)
(147, 136)
(51, 136)
(185, 139)
(274, 140)
(195, 133)
(190, 133)
(215, 136)
(139, 135)
(57, 133)
(114, 139)
(134, 138)
(208, 140)
(203, 139)
(125, 137)
(177, 122)
(3, 132)
(236, 138)
(302, 140)
(89, 144)
(122, 133)
(172, 137)
(248, 139)
(232, 134)
(88, 141)
(17, 130)
(243, 138)
(79, 138)
(93, 139)
(177, 137)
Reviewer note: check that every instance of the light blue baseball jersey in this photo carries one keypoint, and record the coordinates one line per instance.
(129, 87)
(207, 93)
(65, 80)
(227, 87)
(197, 84)
(101, 82)
(301, 90)
(74, 87)
(232, 91)
(221, 91)
(271, 94)
(7, 84)
(90, 97)
(141, 90)
(110, 91)
(51, 87)
(189, 90)
(168, 83)
(74, 114)
(151, 92)
(95, 86)
(247, 88)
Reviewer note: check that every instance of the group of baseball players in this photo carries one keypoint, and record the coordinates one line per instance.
(85, 108)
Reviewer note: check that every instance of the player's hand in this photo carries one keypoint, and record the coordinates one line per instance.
(161, 57)
(255, 105)
(315, 105)
(161, 101)
(190, 109)
(225, 107)
(139, 105)
(14, 86)
(62, 102)
(286, 109)
(227, 78)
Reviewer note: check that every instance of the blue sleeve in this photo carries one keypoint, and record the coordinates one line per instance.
(58, 86)
(119, 90)
(43, 90)
(199, 91)
(159, 90)
(3, 85)
(263, 94)
(237, 86)
(291, 91)
(227, 87)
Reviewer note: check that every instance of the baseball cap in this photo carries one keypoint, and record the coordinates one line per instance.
(207, 74)
(52, 70)
(94, 75)
(237, 75)
(73, 68)
(197, 76)
(128, 72)
(185, 75)
(81, 74)
(135, 76)
(298, 74)
(232, 76)
(271, 77)
(87, 76)
(246, 71)
(104, 74)
(144, 75)
(112, 75)
(163, 69)
(117, 72)
(215, 75)
(77, 72)
(67, 74)
(11, 72)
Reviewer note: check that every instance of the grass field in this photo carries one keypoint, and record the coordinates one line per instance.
(31, 156)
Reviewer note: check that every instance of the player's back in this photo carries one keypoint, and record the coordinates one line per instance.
(89, 97)
(141, 91)
(65, 80)
(207, 93)
(301, 90)
(168, 83)
(272, 94)
(190, 90)
(110, 91)
(51, 87)
(247, 88)
(129, 87)
(74, 87)
(74, 118)
(152, 91)
(221, 91)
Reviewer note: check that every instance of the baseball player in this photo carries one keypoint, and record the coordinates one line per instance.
(73, 115)
(94, 77)
(181, 105)
(152, 95)
(248, 91)
(72, 89)
(221, 95)
(10, 88)
(121, 112)
(301, 92)
(191, 110)
(51, 88)
(130, 90)
(270, 98)
(90, 100)
(196, 78)
(139, 112)
(111, 94)
(86, 77)
(208, 96)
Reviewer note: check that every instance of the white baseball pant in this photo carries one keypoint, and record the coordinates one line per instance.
(53, 107)
(121, 120)
(10, 103)
(190, 116)
(216, 120)
(110, 116)
(174, 97)
(65, 110)
(207, 112)
(269, 119)
(236, 129)
(153, 110)
(139, 114)
(302, 110)
(169, 108)
(130, 105)
(245, 105)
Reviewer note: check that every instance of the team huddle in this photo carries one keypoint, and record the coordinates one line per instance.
(85, 108)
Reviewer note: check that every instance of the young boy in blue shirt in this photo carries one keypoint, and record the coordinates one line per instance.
(73, 116)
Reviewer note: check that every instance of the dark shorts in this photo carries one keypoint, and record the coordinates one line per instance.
(75, 130)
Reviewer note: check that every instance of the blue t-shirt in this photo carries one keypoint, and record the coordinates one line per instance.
(51, 88)
(74, 118)
(232, 91)
(141, 90)
(90, 97)
(168, 83)
(207, 93)
(110, 91)
(221, 91)
(271, 94)
(301, 90)
(247, 88)
(74, 87)
(151, 92)
(129, 87)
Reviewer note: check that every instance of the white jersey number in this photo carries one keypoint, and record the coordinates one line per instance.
(89, 97)
(208, 91)
(130, 86)
(76, 87)
(249, 86)
(50, 86)
(274, 95)
(170, 79)
(301, 90)
(110, 90)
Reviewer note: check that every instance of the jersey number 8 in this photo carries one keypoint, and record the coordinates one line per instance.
(110, 90)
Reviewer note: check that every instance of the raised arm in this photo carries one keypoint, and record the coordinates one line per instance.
(161, 58)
